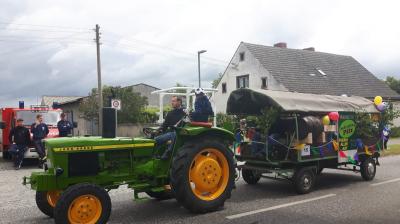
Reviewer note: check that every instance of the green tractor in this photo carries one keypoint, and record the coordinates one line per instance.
(80, 171)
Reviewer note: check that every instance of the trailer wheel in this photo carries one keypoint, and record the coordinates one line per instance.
(251, 176)
(368, 169)
(304, 180)
(161, 195)
(83, 203)
(46, 201)
(202, 175)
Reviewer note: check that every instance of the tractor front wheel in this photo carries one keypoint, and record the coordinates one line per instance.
(83, 203)
(46, 201)
(202, 175)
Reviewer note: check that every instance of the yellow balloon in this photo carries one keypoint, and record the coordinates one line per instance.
(378, 100)
(326, 120)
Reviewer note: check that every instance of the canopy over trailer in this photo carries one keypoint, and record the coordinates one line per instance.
(309, 132)
(247, 101)
(189, 92)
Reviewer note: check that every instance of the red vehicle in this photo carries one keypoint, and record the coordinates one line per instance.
(9, 116)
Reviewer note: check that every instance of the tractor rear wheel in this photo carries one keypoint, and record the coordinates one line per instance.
(202, 175)
(83, 203)
(46, 201)
(160, 195)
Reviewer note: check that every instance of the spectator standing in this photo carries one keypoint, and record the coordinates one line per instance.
(64, 126)
(39, 131)
(20, 139)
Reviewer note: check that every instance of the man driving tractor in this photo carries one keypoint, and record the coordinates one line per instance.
(172, 118)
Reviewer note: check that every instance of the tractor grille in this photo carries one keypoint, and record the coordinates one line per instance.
(83, 164)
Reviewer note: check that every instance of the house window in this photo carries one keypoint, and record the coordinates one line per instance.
(241, 56)
(223, 87)
(264, 83)
(242, 81)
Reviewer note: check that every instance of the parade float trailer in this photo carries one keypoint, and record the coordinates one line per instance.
(307, 133)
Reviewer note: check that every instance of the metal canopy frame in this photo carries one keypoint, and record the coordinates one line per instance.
(189, 93)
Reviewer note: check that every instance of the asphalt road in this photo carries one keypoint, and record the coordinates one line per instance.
(340, 197)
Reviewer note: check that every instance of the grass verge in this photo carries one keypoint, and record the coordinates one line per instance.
(393, 150)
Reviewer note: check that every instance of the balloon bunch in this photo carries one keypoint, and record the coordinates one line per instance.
(332, 116)
(380, 105)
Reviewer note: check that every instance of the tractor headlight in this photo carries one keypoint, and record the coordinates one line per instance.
(49, 164)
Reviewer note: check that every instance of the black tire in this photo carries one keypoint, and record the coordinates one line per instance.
(75, 191)
(368, 169)
(179, 176)
(304, 180)
(43, 204)
(161, 195)
(250, 176)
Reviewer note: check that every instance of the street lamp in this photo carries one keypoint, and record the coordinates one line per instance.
(198, 62)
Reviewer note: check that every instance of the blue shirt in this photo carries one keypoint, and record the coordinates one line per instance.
(40, 131)
(64, 128)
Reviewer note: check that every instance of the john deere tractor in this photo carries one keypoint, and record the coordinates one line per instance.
(80, 171)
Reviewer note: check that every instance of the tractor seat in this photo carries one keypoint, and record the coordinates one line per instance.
(201, 124)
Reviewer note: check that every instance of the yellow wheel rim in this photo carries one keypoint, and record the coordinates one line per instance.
(209, 174)
(52, 197)
(85, 209)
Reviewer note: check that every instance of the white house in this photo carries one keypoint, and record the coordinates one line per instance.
(297, 70)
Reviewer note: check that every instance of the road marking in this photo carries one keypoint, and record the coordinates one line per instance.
(278, 207)
(386, 182)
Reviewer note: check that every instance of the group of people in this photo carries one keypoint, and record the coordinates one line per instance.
(20, 137)
(201, 113)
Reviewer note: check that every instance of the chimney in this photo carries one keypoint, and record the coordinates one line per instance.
(281, 45)
(309, 49)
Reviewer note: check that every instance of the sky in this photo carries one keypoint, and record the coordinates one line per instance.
(47, 47)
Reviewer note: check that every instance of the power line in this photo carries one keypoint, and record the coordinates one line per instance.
(187, 57)
(41, 43)
(132, 40)
(37, 25)
(43, 30)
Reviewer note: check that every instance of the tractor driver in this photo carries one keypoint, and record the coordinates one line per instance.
(172, 118)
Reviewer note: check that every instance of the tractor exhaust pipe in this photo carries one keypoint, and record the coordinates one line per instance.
(109, 122)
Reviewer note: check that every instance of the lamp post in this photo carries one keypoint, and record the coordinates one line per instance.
(198, 62)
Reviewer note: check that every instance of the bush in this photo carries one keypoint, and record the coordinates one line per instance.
(395, 132)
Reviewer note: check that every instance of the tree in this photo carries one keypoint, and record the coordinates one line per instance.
(133, 104)
(393, 83)
(216, 81)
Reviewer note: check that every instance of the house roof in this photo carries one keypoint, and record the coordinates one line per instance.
(247, 101)
(297, 70)
(48, 100)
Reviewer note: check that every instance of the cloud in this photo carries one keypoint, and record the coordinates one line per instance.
(156, 42)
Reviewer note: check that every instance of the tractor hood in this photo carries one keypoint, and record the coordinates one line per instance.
(74, 144)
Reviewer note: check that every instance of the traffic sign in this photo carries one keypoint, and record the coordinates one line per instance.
(115, 103)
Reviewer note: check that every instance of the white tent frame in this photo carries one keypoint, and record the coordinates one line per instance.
(188, 94)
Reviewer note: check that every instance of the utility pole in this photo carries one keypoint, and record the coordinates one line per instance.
(99, 86)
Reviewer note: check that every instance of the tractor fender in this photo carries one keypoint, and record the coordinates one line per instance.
(201, 132)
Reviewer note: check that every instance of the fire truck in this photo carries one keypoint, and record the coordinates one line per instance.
(9, 116)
